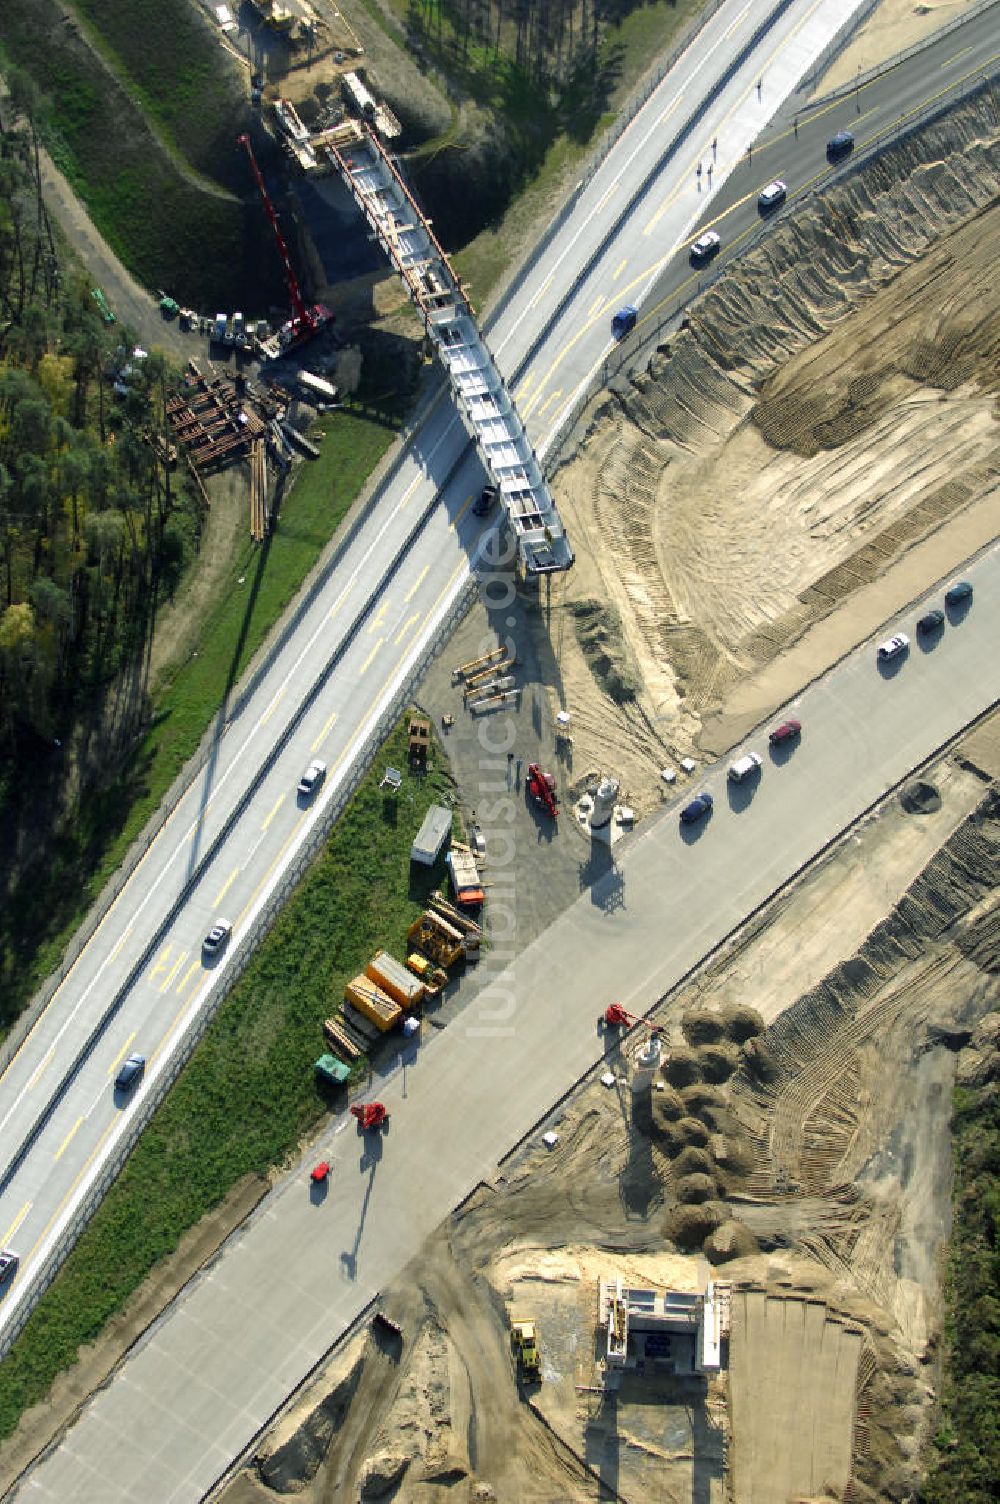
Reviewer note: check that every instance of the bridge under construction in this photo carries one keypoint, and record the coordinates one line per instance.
(406, 237)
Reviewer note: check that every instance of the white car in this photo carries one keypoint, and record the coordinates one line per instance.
(747, 766)
(311, 779)
(892, 647)
(774, 194)
(217, 937)
(705, 247)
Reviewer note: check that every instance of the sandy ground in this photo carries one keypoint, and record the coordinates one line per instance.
(894, 26)
(846, 372)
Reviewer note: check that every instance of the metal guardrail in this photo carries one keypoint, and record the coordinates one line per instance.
(262, 661)
(636, 348)
(150, 1101)
(826, 57)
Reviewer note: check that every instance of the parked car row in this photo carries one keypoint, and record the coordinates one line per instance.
(750, 763)
(932, 621)
(745, 767)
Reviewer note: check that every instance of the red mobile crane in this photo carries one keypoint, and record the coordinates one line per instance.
(306, 320)
(617, 1016)
(542, 788)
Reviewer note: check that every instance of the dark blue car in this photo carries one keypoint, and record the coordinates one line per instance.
(698, 807)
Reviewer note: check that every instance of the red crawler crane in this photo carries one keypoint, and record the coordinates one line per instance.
(615, 1016)
(307, 320)
(542, 788)
(370, 1114)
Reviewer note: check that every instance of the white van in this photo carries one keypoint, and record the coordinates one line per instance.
(744, 767)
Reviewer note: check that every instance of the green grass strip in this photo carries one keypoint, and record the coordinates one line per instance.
(95, 845)
(248, 1094)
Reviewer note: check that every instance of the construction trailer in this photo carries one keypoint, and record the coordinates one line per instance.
(465, 880)
(432, 837)
(373, 1003)
(392, 977)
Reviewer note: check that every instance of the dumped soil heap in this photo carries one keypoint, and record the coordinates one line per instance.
(846, 370)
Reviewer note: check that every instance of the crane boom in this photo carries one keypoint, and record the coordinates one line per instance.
(304, 321)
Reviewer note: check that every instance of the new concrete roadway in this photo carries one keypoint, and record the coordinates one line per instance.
(228, 842)
(141, 979)
(242, 1336)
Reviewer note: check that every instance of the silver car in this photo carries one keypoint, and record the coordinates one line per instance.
(770, 197)
(892, 647)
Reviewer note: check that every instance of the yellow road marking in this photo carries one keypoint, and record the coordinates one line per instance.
(549, 401)
(316, 744)
(406, 627)
(43, 1064)
(620, 268)
(121, 1055)
(409, 492)
(730, 29)
(341, 598)
(376, 620)
(524, 388)
(284, 847)
(461, 511)
(669, 110)
(407, 598)
(186, 978)
(119, 943)
(595, 305)
(12, 1229)
(161, 962)
(955, 57)
(278, 803)
(225, 887)
(273, 706)
(368, 661)
(177, 966)
(66, 1141)
(604, 200)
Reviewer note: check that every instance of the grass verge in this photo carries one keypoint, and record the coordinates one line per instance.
(93, 848)
(626, 51)
(247, 1096)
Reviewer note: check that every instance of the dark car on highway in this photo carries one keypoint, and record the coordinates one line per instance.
(131, 1070)
(8, 1265)
(840, 145)
(699, 806)
(930, 622)
(786, 732)
(958, 594)
(485, 502)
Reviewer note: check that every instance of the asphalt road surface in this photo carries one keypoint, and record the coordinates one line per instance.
(208, 1377)
(142, 979)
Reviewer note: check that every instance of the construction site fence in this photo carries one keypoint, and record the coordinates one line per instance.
(148, 1103)
(633, 353)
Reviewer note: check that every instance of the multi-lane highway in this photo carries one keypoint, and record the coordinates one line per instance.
(142, 978)
(209, 1376)
(227, 843)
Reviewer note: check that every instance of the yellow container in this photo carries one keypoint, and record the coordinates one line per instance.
(375, 1005)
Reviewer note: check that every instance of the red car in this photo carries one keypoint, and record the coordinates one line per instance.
(786, 732)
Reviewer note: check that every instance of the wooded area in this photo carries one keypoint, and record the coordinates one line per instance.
(86, 500)
(966, 1466)
(546, 39)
